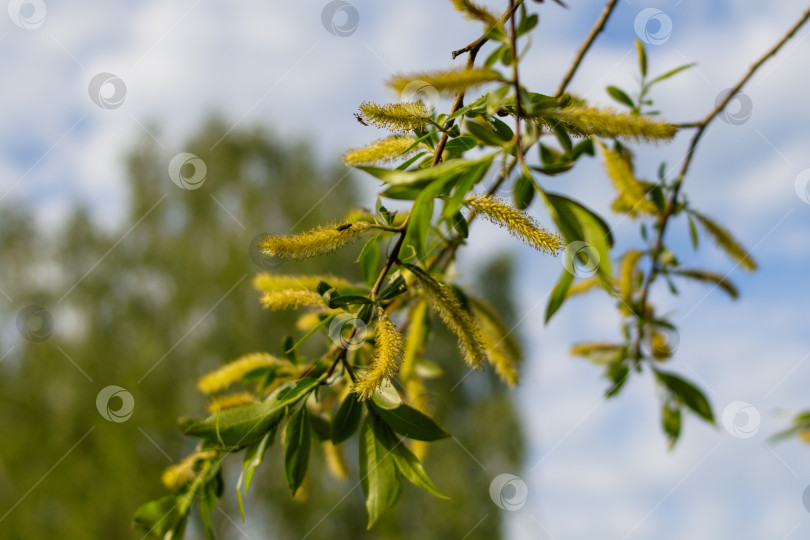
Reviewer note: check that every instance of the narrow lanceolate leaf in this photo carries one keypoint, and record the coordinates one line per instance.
(346, 420)
(445, 82)
(559, 294)
(232, 372)
(586, 121)
(245, 425)
(503, 350)
(454, 316)
(381, 151)
(726, 241)
(517, 222)
(296, 448)
(671, 422)
(631, 197)
(709, 277)
(405, 461)
(687, 393)
(254, 454)
(318, 241)
(410, 422)
(379, 477)
(397, 117)
(388, 352)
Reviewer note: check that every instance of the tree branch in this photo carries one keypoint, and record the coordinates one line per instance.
(583, 49)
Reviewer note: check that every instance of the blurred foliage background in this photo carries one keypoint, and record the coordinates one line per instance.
(163, 299)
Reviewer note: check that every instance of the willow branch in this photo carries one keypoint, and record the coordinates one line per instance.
(583, 49)
(478, 43)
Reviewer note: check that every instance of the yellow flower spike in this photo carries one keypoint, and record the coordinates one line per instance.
(455, 318)
(503, 350)
(585, 121)
(517, 222)
(397, 117)
(230, 401)
(179, 474)
(268, 283)
(388, 353)
(380, 151)
(446, 82)
(232, 372)
(627, 276)
(318, 241)
(475, 11)
(291, 299)
(631, 195)
(726, 241)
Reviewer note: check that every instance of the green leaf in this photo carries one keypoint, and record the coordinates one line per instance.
(394, 289)
(579, 224)
(583, 147)
(461, 144)
(321, 427)
(527, 24)
(559, 294)
(620, 96)
(479, 103)
(484, 133)
(379, 478)
(524, 191)
(252, 459)
(386, 396)
(452, 168)
(411, 423)
(687, 393)
(159, 517)
(693, 234)
(669, 74)
(407, 463)
(207, 501)
(326, 320)
(296, 448)
(671, 422)
(709, 277)
(465, 184)
(369, 259)
(460, 224)
(246, 425)
(347, 418)
(642, 58)
(347, 300)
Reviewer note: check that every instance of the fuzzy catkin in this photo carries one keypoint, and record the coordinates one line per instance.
(585, 121)
(446, 82)
(388, 353)
(318, 241)
(290, 299)
(380, 151)
(631, 196)
(396, 117)
(518, 223)
(220, 379)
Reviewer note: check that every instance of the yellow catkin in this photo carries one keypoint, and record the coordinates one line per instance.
(503, 350)
(335, 461)
(586, 349)
(291, 299)
(584, 285)
(318, 241)
(726, 241)
(380, 151)
(455, 318)
(359, 214)
(230, 401)
(179, 474)
(631, 196)
(660, 348)
(265, 282)
(627, 275)
(232, 372)
(415, 338)
(585, 120)
(446, 82)
(397, 117)
(388, 352)
(518, 223)
(475, 11)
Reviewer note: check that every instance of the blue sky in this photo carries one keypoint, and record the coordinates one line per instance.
(595, 469)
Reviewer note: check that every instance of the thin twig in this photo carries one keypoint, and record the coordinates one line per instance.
(478, 43)
(583, 49)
